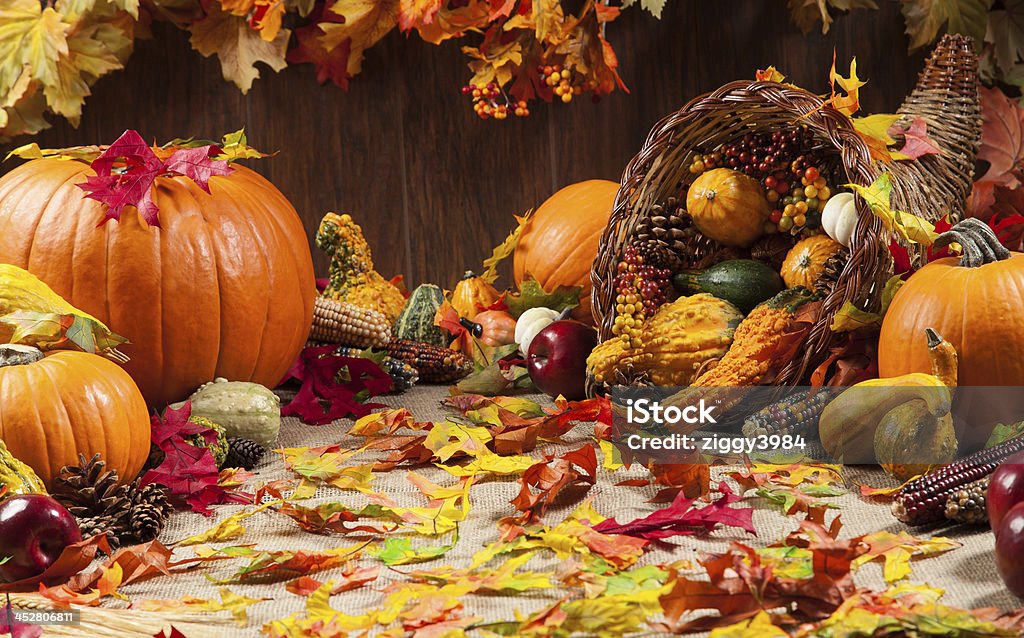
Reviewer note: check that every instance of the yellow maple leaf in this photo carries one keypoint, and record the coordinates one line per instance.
(30, 36)
(447, 438)
(228, 529)
(771, 74)
(874, 130)
(238, 47)
(849, 103)
(92, 53)
(366, 22)
(237, 604)
(910, 227)
(498, 65)
(897, 549)
(74, 9)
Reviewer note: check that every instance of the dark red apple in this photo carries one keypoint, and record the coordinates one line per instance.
(1005, 489)
(557, 360)
(1010, 549)
(34, 530)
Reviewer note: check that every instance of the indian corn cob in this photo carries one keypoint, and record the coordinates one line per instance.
(434, 363)
(352, 275)
(403, 376)
(968, 504)
(795, 414)
(924, 499)
(347, 324)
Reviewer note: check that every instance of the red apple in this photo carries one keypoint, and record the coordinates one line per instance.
(34, 530)
(557, 360)
(1005, 489)
(1010, 549)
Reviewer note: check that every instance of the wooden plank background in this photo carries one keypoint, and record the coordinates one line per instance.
(433, 186)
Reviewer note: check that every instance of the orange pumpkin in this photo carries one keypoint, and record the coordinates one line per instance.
(67, 403)
(805, 261)
(224, 288)
(975, 304)
(728, 207)
(498, 327)
(558, 243)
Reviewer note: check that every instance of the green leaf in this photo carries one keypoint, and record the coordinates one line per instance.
(399, 551)
(532, 295)
(926, 18)
(1004, 432)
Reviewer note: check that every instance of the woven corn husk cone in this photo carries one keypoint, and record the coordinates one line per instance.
(946, 98)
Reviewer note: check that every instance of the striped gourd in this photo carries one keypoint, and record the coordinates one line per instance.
(416, 322)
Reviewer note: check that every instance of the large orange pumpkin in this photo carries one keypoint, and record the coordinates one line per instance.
(976, 304)
(223, 288)
(558, 245)
(69, 403)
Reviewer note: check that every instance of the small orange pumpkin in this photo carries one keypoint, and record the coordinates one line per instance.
(805, 261)
(558, 243)
(69, 403)
(473, 293)
(728, 207)
(499, 327)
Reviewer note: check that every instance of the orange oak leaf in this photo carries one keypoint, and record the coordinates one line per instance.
(553, 476)
(366, 22)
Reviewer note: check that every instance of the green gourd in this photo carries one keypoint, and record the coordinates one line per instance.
(245, 410)
(416, 321)
(742, 282)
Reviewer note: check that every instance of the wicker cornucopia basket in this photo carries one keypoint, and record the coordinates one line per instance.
(946, 97)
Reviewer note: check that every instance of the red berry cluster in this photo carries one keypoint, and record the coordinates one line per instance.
(641, 289)
(788, 167)
(490, 101)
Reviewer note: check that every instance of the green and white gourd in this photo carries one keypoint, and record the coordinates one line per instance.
(245, 410)
(416, 321)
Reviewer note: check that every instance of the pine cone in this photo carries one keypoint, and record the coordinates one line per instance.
(667, 228)
(830, 273)
(89, 489)
(96, 525)
(244, 453)
(772, 249)
(150, 510)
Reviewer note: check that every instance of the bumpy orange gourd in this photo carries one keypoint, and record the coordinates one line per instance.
(472, 294)
(728, 207)
(558, 244)
(69, 403)
(806, 260)
(224, 288)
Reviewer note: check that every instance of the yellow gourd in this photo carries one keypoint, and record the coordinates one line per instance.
(674, 344)
(848, 424)
(473, 294)
(17, 477)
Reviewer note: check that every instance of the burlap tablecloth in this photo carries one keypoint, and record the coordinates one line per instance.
(967, 574)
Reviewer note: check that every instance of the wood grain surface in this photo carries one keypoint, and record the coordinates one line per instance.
(433, 186)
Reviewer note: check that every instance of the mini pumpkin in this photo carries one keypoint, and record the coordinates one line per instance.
(67, 403)
(498, 328)
(728, 207)
(806, 260)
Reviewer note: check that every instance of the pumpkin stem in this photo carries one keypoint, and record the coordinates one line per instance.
(469, 275)
(13, 354)
(709, 194)
(979, 243)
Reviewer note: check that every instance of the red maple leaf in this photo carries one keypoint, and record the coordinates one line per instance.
(553, 475)
(127, 169)
(188, 471)
(8, 624)
(681, 518)
(309, 49)
(197, 164)
(334, 386)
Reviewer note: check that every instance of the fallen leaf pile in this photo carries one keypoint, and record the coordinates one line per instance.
(594, 569)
